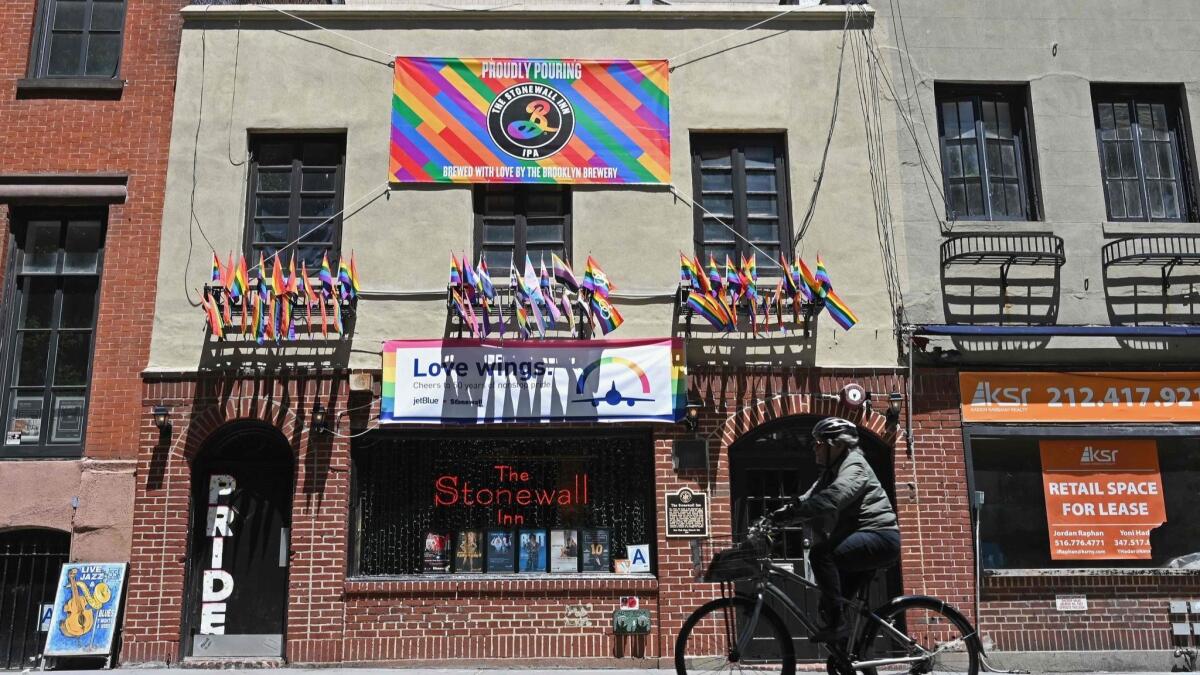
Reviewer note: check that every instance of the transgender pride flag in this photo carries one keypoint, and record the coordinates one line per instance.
(556, 121)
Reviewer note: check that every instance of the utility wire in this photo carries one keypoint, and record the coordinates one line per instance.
(374, 194)
(806, 221)
(391, 57)
(752, 26)
(696, 204)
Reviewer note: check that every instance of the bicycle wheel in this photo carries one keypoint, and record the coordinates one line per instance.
(936, 632)
(707, 641)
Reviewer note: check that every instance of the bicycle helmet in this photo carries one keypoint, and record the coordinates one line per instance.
(834, 427)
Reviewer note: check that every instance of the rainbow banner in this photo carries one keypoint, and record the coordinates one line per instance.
(567, 121)
(482, 381)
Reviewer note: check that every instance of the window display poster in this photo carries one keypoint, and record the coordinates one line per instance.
(533, 551)
(68, 419)
(564, 550)
(596, 550)
(499, 551)
(1103, 497)
(437, 552)
(468, 551)
(25, 422)
(86, 609)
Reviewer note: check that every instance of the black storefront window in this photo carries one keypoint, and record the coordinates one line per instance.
(407, 486)
(1013, 530)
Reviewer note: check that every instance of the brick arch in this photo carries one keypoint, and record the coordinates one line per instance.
(203, 426)
(750, 417)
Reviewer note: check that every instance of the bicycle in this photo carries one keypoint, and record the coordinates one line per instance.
(919, 633)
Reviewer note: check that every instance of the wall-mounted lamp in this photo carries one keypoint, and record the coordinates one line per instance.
(892, 415)
(317, 422)
(691, 417)
(162, 417)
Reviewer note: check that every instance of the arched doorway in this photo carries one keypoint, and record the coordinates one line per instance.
(776, 461)
(30, 560)
(242, 482)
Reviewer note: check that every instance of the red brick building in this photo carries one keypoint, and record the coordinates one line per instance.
(86, 94)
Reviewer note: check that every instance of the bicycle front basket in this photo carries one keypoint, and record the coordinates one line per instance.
(741, 562)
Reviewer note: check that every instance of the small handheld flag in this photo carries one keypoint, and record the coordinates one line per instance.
(326, 276)
(710, 309)
(599, 282)
(714, 274)
(607, 316)
(839, 311)
(344, 281)
(563, 273)
(823, 275)
(354, 275)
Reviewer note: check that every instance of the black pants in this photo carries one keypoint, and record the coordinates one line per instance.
(842, 567)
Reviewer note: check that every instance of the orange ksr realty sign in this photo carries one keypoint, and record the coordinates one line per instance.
(1079, 397)
(1103, 497)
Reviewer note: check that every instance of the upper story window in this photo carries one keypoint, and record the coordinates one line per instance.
(514, 221)
(78, 39)
(296, 195)
(987, 152)
(53, 289)
(742, 182)
(1142, 137)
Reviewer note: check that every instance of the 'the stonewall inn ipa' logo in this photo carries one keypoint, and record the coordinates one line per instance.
(531, 121)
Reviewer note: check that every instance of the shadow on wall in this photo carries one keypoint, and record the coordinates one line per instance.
(309, 349)
(1001, 280)
(761, 341)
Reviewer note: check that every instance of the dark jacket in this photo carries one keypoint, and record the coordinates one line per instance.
(847, 498)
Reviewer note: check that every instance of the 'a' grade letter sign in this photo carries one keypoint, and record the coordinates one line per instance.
(505, 120)
(477, 381)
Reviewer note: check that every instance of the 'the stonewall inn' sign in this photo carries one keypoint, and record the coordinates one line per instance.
(470, 381)
(530, 121)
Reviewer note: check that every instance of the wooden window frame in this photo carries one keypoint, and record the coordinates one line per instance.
(1017, 97)
(735, 144)
(295, 191)
(520, 223)
(1182, 152)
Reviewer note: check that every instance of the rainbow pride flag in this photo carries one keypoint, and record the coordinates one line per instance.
(839, 311)
(606, 315)
(516, 120)
(709, 308)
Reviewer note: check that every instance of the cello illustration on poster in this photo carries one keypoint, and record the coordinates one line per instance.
(86, 608)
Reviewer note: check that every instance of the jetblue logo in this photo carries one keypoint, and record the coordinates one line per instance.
(1005, 397)
(1098, 455)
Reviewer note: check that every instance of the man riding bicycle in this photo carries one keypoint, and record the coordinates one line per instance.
(852, 519)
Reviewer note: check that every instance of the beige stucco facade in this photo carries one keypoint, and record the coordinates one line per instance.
(289, 76)
(1058, 50)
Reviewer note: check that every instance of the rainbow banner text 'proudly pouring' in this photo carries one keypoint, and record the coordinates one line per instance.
(530, 121)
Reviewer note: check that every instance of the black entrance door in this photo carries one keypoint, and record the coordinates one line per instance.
(238, 563)
(772, 464)
(29, 564)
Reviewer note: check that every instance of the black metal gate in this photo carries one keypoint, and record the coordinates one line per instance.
(29, 564)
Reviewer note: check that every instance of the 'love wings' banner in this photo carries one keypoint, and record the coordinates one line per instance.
(549, 121)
